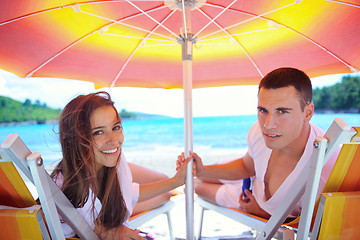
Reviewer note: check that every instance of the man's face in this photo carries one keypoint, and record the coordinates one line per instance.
(281, 118)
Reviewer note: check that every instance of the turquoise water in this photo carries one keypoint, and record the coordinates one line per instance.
(149, 135)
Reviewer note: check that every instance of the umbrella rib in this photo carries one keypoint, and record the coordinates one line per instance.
(184, 19)
(137, 47)
(238, 34)
(128, 25)
(254, 16)
(57, 54)
(33, 14)
(344, 3)
(123, 67)
(289, 28)
(52, 9)
(144, 38)
(213, 19)
(352, 68)
(239, 44)
(67, 47)
(145, 13)
(157, 26)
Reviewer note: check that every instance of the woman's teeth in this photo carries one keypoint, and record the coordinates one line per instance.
(110, 151)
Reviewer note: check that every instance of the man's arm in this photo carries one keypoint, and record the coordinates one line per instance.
(238, 169)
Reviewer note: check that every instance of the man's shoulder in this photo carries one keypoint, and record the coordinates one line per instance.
(316, 130)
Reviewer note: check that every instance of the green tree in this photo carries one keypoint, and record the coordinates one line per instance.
(343, 96)
(124, 114)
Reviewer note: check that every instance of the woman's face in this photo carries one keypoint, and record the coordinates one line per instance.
(108, 137)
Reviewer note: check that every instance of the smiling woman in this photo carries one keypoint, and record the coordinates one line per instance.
(94, 173)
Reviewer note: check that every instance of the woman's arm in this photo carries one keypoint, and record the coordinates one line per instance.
(151, 190)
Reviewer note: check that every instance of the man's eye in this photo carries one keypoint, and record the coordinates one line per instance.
(261, 110)
(283, 111)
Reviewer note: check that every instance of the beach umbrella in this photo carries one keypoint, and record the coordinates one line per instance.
(177, 44)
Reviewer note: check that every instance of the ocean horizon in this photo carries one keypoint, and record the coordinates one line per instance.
(147, 140)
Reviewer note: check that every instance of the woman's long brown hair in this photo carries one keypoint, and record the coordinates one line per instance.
(78, 163)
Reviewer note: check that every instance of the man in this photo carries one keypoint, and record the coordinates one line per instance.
(280, 144)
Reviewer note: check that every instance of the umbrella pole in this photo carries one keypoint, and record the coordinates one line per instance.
(187, 46)
(189, 189)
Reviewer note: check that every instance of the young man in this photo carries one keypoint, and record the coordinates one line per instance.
(280, 144)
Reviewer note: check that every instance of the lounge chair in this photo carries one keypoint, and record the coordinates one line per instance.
(14, 152)
(20, 215)
(344, 178)
(143, 217)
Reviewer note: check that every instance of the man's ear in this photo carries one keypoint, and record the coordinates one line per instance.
(309, 111)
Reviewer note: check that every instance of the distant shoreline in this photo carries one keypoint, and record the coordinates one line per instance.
(33, 122)
(27, 123)
(330, 111)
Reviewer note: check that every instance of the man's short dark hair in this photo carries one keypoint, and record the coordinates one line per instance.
(287, 77)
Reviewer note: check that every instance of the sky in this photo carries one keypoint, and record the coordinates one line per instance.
(216, 101)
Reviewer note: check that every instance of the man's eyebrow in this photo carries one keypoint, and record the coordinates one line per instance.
(283, 108)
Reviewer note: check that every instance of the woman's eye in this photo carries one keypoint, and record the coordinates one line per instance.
(118, 127)
(96, 133)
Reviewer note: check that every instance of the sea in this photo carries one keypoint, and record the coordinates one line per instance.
(149, 140)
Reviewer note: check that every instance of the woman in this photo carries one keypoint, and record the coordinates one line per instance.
(94, 174)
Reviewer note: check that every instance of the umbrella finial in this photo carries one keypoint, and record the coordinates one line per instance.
(178, 4)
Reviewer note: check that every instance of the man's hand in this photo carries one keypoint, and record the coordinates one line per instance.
(249, 204)
(197, 166)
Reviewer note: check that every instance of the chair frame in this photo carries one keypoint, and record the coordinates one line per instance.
(53, 200)
(141, 218)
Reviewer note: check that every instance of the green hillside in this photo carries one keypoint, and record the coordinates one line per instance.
(12, 111)
(15, 111)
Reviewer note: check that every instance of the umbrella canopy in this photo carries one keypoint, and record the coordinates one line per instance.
(138, 43)
(141, 44)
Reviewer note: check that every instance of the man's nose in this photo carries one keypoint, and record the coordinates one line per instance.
(270, 121)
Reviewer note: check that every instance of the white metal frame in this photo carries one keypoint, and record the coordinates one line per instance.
(13, 149)
(145, 217)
